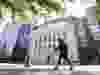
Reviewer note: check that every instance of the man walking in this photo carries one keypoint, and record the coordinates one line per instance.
(63, 50)
(23, 43)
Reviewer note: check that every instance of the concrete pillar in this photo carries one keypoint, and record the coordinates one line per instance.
(67, 8)
(91, 15)
(72, 41)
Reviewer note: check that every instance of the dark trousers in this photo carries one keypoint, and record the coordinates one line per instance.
(19, 54)
(65, 57)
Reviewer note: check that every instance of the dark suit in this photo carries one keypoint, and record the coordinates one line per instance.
(19, 53)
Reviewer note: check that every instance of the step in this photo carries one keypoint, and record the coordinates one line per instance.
(3, 59)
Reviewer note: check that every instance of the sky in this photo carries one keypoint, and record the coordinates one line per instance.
(78, 7)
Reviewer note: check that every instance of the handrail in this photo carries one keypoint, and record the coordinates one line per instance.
(70, 19)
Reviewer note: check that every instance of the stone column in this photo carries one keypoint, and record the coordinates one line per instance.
(67, 8)
(72, 41)
(91, 15)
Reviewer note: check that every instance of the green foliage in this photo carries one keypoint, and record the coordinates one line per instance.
(55, 6)
(18, 5)
(98, 10)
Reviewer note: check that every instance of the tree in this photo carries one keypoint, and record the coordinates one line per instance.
(24, 10)
(98, 11)
(21, 5)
